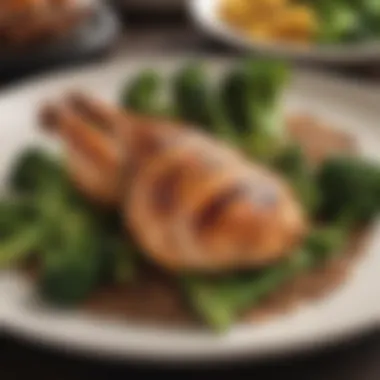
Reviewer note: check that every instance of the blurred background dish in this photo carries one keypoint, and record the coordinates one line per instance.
(89, 32)
(25, 24)
(336, 33)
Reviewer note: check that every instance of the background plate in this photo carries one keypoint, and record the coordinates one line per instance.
(205, 15)
(91, 38)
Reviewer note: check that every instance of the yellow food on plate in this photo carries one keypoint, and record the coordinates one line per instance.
(270, 20)
(296, 24)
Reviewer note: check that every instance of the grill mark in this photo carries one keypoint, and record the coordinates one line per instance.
(209, 215)
(144, 147)
(164, 190)
(48, 116)
(147, 146)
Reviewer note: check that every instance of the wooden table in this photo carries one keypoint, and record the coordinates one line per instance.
(358, 359)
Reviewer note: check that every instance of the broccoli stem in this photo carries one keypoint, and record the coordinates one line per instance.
(265, 142)
(291, 162)
(220, 301)
(251, 96)
(18, 247)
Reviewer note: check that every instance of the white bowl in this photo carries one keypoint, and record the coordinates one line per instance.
(205, 15)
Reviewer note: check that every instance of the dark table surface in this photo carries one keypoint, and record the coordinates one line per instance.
(355, 360)
(358, 359)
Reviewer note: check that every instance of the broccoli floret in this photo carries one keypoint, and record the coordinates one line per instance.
(327, 241)
(252, 99)
(32, 170)
(192, 97)
(84, 248)
(370, 19)
(20, 231)
(144, 93)
(71, 260)
(22, 228)
(18, 247)
(339, 20)
(42, 180)
(120, 251)
(75, 241)
(348, 20)
(80, 256)
(350, 187)
(15, 214)
(197, 102)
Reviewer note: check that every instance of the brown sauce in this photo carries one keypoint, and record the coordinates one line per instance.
(313, 285)
(318, 139)
(155, 298)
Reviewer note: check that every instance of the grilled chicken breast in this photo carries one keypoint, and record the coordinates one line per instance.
(192, 202)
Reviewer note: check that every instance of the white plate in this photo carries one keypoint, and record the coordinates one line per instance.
(351, 309)
(205, 15)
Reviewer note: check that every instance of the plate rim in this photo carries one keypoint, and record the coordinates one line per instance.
(228, 355)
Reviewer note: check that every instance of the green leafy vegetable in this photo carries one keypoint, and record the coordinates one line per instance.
(219, 302)
(144, 93)
(370, 19)
(252, 99)
(20, 231)
(198, 103)
(327, 241)
(292, 163)
(339, 21)
(347, 20)
(350, 186)
(76, 242)
(17, 248)
(32, 170)
(191, 96)
(15, 214)
(71, 262)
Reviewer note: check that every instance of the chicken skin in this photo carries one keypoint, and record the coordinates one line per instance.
(192, 202)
